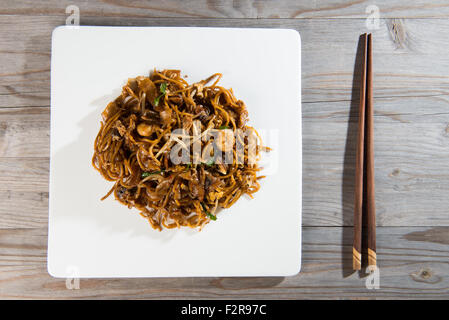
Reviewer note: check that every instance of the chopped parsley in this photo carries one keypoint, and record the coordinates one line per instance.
(147, 174)
(163, 90)
(163, 87)
(210, 215)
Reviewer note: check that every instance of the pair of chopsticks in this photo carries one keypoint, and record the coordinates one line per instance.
(364, 180)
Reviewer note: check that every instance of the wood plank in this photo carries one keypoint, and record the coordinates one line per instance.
(229, 9)
(25, 54)
(427, 110)
(413, 64)
(25, 132)
(413, 262)
(24, 174)
(23, 209)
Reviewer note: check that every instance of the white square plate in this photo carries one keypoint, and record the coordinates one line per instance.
(93, 238)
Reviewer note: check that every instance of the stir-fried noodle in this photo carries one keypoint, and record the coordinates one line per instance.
(145, 141)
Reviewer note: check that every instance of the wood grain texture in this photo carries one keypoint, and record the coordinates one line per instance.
(24, 132)
(411, 122)
(24, 174)
(411, 266)
(25, 73)
(230, 8)
(23, 209)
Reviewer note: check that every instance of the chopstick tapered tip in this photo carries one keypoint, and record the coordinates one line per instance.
(356, 259)
(372, 257)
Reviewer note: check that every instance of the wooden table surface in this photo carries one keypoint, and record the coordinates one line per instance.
(411, 98)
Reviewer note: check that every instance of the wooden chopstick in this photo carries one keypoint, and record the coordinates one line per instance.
(370, 196)
(358, 194)
(365, 160)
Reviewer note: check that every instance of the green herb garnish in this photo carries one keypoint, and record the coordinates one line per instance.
(188, 166)
(210, 215)
(163, 90)
(163, 87)
(147, 174)
(156, 101)
(223, 127)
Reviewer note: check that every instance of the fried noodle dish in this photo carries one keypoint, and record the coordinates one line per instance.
(138, 151)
